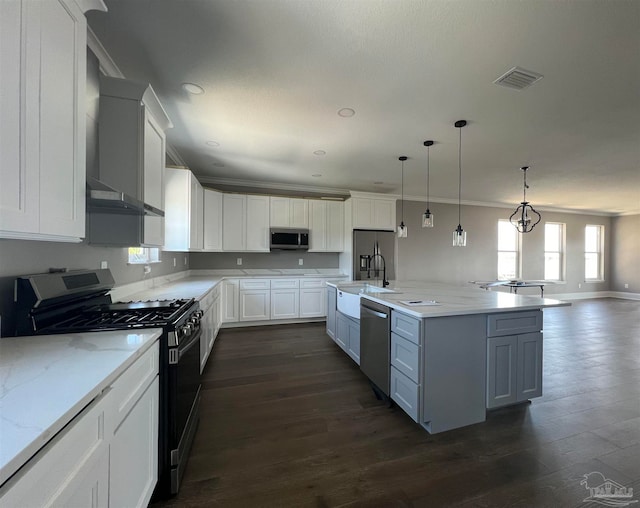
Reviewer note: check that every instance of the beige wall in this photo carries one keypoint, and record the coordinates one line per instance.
(427, 254)
(625, 254)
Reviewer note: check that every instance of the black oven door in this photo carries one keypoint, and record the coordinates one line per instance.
(184, 399)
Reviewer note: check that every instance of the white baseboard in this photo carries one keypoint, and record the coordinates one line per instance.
(588, 295)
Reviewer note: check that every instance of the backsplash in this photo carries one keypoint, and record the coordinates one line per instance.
(275, 259)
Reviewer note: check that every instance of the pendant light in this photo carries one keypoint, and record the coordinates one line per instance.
(427, 217)
(402, 229)
(522, 217)
(459, 235)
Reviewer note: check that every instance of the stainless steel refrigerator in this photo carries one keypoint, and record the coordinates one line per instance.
(368, 242)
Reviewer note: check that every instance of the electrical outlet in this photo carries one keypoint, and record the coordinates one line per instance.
(238, 261)
(175, 263)
(186, 260)
(147, 269)
(579, 285)
(300, 261)
(626, 286)
(104, 264)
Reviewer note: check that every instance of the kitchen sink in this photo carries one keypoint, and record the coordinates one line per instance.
(349, 297)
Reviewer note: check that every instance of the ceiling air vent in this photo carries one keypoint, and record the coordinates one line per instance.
(518, 78)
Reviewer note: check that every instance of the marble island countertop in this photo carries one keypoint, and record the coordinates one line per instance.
(46, 380)
(433, 299)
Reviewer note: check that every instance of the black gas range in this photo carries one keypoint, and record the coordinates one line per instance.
(79, 301)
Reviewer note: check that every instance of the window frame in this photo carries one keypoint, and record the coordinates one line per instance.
(562, 244)
(599, 253)
(144, 256)
(517, 251)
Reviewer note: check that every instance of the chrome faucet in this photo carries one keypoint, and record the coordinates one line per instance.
(376, 254)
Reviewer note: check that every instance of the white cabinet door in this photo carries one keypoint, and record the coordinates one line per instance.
(335, 226)
(313, 302)
(230, 300)
(196, 214)
(257, 223)
(234, 222)
(42, 118)
(284, 303)
(279, 212)
(384, 213)
(134, 453)
(212, 220)
(299, 213)
(255, 305)
(318, 226)
(154, 150)
(19, 192)
(362, 213)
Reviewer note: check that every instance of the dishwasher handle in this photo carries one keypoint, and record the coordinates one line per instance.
(375, 313)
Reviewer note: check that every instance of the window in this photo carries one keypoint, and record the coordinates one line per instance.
(508, 251)
(553, 251)
(143, 255)
(593, 239)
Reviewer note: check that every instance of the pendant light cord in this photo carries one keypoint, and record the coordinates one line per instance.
(402, 192)
(459, 171)
(524, 189)
(428, 177)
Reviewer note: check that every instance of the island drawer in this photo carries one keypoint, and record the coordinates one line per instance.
(405, 326)
(405, 356)
(514, 323)
(405, 393)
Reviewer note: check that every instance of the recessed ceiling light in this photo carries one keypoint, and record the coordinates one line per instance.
(319, 152)
(378, 183)
(218, 164)
(346, 112)
(213, 143)
(192, 88)
(316, 175)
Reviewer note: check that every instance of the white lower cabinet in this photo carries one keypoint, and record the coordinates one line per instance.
(255, 299)
(106, 456)
(285, 298)
(348, 335)
(313, 298)
(332, 296)
(230, 300)
(209, 323)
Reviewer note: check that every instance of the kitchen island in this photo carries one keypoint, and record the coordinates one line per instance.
(453, 351)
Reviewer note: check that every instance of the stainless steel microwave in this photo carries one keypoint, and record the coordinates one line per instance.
(289, 239)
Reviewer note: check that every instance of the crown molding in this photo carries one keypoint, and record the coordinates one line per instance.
(107, 66)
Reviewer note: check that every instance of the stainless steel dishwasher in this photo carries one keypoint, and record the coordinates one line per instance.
(375, 347)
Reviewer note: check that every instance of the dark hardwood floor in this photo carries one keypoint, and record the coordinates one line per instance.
(288, 420)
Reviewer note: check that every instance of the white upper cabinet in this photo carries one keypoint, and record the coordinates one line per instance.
(326, 226)
(288, 212)
(184, 213)
(42, 119)
(245, 223)
(212, 220)
(373, 212)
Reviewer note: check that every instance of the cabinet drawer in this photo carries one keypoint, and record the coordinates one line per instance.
(405, 356)
(255, 284)
(51, 475)
(130, 386)
(405, 393)
(312, 283)
(405, 326)
(284, 283)
(514, 323)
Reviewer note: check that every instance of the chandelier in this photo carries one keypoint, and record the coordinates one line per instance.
(525, 216)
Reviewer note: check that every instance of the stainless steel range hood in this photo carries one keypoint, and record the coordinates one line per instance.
(104, 199)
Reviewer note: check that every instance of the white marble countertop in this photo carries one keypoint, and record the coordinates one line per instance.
(434, 299)
(46, 380)
(200, 282)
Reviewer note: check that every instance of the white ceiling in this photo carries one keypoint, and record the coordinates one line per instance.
(276, 72)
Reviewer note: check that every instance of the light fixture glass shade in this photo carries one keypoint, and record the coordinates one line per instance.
(459, 237)
(427, 219)
(402, 230)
